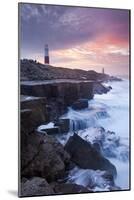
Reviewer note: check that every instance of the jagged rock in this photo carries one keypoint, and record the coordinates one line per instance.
(107, 142)
(97, 146)
(35, 187)
(32, 70)
(86, 90)
(37, 114)
(55, 108)
(69, 188)
(59, 94)
(100, 89)
(63, 124)
(86, 156)
(44, 156)
(80, 104)
(27, 123)
(67, 90)
(113, 78)
(51, 131)
(110, 88)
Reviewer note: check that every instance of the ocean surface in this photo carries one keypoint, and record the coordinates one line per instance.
(110, 111)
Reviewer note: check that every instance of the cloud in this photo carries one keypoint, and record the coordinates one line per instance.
(64, 27)
(29, 11)
(106, 51)
(93, 36)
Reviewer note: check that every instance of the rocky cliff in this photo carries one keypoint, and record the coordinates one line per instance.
(44, 162)
(32, 70)
(57, 95)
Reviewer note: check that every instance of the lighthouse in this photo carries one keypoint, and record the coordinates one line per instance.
(46, 56)
(103, 72)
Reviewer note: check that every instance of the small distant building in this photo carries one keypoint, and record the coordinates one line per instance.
(103, 72)
(46, 56)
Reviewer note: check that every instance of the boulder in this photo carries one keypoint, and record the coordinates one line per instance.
(110, 87)
(113, 78)
(37, 114)
(80, 104)
(86, 156)
(51, 131)
(55, 108)
(64, 125)
(35, 187)
(101, 89)
(70, 188)
(27, 122)
(86, 90)
(43, 156)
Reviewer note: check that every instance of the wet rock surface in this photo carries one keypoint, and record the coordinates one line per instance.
(35, 187)
(86, 156)
(107, 142)
(45, 163)
(58, 96)
(37, 105)
(43, 156)
(80, 104)
(70, 188)
(101, 89)
(63, 124)
(94, 180)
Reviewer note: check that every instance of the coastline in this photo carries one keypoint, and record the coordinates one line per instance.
(45, 106)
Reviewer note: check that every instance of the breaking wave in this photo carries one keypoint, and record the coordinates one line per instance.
(105, 121)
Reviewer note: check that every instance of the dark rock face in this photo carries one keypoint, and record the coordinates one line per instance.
(55, 108)
(63, 125)
(32, 70)
(101, 89)
(35, 187)
(51, 131)
(109, 143)
(113, 78)
(27, 123)
(58, 95)
(69, 91)
(44, 156)
(70, 188)
(80, 104)
(43, 159)
(37, 106)
(86, 156)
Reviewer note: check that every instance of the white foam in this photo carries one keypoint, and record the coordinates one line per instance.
(122, 179)
(46, 126)
(92, 179)
(110, 111)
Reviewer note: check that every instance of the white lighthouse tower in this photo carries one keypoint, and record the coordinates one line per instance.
(46, 56)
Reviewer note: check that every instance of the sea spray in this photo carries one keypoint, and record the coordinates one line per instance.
(110, 111)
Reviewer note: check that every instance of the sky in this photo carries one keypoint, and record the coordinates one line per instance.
(78, 37)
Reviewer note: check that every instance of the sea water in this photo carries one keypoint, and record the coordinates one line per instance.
(110, 111)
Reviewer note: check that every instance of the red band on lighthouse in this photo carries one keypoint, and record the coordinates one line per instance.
(46, 57)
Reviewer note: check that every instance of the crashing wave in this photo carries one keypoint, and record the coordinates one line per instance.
(107, 141)
(95, 180)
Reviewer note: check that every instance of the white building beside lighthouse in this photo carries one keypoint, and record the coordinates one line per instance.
(103, 71)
